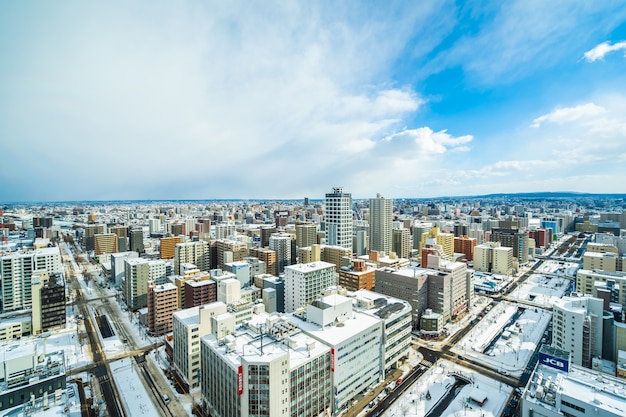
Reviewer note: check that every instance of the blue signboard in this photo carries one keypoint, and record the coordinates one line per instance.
(554, 362)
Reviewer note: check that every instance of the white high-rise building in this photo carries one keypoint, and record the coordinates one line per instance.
(189, 326)
(305, 282)
(577, 328)
(338, 218)
(356, 345)
(16, 271)
(281, 244)
(137, 273)
(381, 219)
(267, 368)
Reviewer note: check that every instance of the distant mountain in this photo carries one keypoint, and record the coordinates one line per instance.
(551, 194)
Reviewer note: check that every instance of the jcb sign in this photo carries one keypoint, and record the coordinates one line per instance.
(554, 362)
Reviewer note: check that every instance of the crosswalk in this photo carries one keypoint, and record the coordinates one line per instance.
(426, 363)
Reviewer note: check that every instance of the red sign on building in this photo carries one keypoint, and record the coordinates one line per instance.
(332, 359)
(240, 380)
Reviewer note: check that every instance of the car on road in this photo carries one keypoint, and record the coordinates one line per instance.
(166, 398)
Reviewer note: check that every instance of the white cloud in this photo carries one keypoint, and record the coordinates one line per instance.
(599, 51)
(569, 114)
(422, 143)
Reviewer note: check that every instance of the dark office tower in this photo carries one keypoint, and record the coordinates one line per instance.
(266, 232)
(460, 230)
(136, 240)
(306, 201)
(42, 222)
(53, 304)
(176, 229)
(281, 217)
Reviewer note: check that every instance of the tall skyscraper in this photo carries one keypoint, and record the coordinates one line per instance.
(381, 218)
(338, 218)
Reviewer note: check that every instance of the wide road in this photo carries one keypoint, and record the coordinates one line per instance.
(149, 376)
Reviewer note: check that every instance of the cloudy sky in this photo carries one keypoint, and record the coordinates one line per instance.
(201, 100)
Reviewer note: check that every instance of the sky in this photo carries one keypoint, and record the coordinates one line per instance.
(287, 99)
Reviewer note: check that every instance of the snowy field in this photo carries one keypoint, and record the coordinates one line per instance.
(502, 345)
(541, 290)
(425, 394)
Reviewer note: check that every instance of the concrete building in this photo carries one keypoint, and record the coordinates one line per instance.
(230, 251)
(408, 284)
(197, 253)
(266, 255)
(493, 257)
(358, 276)
(401, 242)
(557, 388)
(513, 238)
(167, 247)
(450, 288)
(281, 244)
(380, 224)
(334, 255)
(267, 368)
(189, 325)
(118, 261)
(199, 292)
(306, 234)
(356, 345)
(256, 266)
(465, 245)
(577, 328)
(136, 240)
(338, 218)
(397, 324)
(420, 229)
(15, 325)
(105, 243)
(16, 271)
(88, 235)
(445, 240)
(277, 286)
(137, 273)
(162, 303)
(607, 261)
(305, 282)
(28, 372)
(587, 280)
(241, 269)
(48, 311)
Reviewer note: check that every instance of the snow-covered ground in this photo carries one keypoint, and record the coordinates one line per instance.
(480, 302)
(136, 399)
(559, 267)
(426, 392)
(541, 290)
(514, 343)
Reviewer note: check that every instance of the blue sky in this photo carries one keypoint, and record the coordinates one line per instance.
(198, 100)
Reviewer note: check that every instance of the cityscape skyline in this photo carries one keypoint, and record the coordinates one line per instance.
(278, 101)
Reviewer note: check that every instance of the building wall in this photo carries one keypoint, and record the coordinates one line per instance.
(338, 218)
(305, 282)
(380, 224)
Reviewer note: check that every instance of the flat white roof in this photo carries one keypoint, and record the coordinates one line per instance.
(335, 335)
(590, 387)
